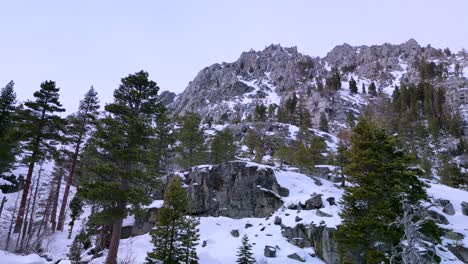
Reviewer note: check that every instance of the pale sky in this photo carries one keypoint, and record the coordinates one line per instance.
(96, 42)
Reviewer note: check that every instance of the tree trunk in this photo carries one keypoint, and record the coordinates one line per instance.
(45, 218)
(4, 200)
(61, 218)
(11, 223)
(24, 198)
(53, 216)
(33, 209)
(114, 243)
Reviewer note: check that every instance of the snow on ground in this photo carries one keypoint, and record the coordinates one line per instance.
(10, 258)
(221, 246)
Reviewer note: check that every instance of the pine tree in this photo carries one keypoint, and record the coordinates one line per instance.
(303, 115)
(167, 237)
(260, 112)
(223, 147)
(79, 126)
(40, 126)
(76, 209)
(353, 86)
(191, 149)
(123, 164)
(189, 238)
(244, 253)
(8, 142)
(372, 89)
(379, 171)
(323, 122)
(164, 143)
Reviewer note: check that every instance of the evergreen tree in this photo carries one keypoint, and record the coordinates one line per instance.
(191, 149)
(223, 147)
(323, 122)
(175, 235)
(8, 142)
(379, 171)
(164, 143)
(40, 127)
(260, 112)
(79, 126)
(285, 155)
(451, 175)
(81, 243)
(303, 115)
(189, 238)
(244, 253)
(76, 209)
(123, 164)
(372, 89)
(353, 86)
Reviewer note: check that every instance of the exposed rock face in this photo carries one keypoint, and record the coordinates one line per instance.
(233, 189)
(319, 237)
(143, 223)
(269, 252)
(230, 91)
(461, 252)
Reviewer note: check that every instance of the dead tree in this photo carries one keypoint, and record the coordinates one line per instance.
(4, 200)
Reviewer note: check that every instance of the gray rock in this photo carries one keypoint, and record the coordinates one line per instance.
(263, 228)
(233, 189)
(248, 225)
(322, 214)
(464, 207)
(438, 218)
(269, 252)
(144, 222)
(314, 203)
(297, 218)
(453, 235)
(296, 256)
(447, 206)
(278, 220)
(460, 252)
(331, 200)
(235, 233)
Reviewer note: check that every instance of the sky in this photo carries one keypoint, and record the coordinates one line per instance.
(98, 42)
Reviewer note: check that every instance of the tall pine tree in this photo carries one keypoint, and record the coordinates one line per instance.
(41, 127)
(8, 141)
(79, 126)
(191, 149)
(223, 147)
(379, 171)
(124, 163)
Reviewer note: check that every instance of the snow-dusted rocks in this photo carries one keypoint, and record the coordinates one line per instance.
(233, 189)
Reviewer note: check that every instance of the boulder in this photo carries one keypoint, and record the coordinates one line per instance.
(464, 207)
(460, 252)
(314, 203)
(331, 200)
(248, 225)
(438, 218)
(144, 222)
(453, 235)
(296, 256)
(322, 214)
(278, 220)
(269, 252)
(447, 206)
(233, 189)
(297, 218)
(235, 233)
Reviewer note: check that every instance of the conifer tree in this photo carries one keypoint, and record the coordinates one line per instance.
(164, 143)
(260, 112)
(223, 147)
(191, 149)
(244, 253)
(8, 143)
(79, 126)
(323, 122)
(379, 171)
(372, 89)
(40, 127)
(123, 164)
(303, 115)
(176, 235)
(76, 209)
(353, 86)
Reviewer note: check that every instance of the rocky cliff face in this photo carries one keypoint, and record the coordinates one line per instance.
(230, 91)
(234, 189)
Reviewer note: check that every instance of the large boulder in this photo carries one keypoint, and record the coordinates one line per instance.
(438, 218)
(447, 206)
(144, 222)
(460, 252)
(464, 207)
(233, 189)
(269, 252)
(296, 256)
(314, 203)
